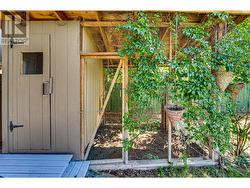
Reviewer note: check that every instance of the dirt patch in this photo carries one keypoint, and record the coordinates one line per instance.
(112, 118)
(153, 144)
(107, 143)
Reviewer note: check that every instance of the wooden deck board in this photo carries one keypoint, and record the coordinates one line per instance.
(77, 169)
(33, 165)
(50, 157)
(83, 170)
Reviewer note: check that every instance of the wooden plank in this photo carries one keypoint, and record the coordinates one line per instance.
(62, 157)
(46, 99)
(101, 23)
(50, 29)
(103, 34)
(106, 41)
(76, 169)
(31, 169)
(5, 98)
(82, 95)
(101, 57)
(15, 68)
(83, 170)
(153, 164)
(22, 135)
(28, 175)
(99, 54)
(38, 163)
(35, 165)
(93, 87)
(169, 142)
(99, 118)
(82, 104)
(60, 15)
(93, 90)
(36, 100)
(105, 161)
(73, 90)
(60, 88)
(124, 104)
(69, 169)
(168, 123)
(117, 23)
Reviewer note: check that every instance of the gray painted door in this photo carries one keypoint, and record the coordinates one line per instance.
(31, 88)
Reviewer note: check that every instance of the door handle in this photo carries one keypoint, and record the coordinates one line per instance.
(48, 87)
(12, 126)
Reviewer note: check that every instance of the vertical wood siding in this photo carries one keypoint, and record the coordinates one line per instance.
(65, 100)
(93, 87)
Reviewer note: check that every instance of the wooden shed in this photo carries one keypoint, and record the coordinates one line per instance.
(52, 89)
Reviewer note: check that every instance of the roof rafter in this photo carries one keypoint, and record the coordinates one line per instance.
(107, 43)
(60, 15)
(117, 23)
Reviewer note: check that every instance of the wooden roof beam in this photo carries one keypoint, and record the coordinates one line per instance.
(240, 19)
(117, 23)
(100, 55)
(60, 15)
(104, 35)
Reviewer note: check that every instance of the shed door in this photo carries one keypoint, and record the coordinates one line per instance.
(31, 91)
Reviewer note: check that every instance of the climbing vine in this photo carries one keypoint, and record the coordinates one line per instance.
(192, 82)
(189, 78)
(145, 50)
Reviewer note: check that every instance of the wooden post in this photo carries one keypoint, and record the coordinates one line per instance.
(214, 152)
(168, 123)
(163, 114)
(82, 94)
(99, 117)
(124, 104)
(169, 142)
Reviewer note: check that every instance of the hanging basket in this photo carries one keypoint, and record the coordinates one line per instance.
(223, 78)
(174, 113)
(235, 89)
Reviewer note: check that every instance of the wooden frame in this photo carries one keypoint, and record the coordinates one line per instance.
(124, 162)
(124, 64)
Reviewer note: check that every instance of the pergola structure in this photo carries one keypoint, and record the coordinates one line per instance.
(102, 25)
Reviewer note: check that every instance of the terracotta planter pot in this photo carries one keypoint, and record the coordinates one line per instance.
(223, 78)
(174, 113)
(235, 89)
